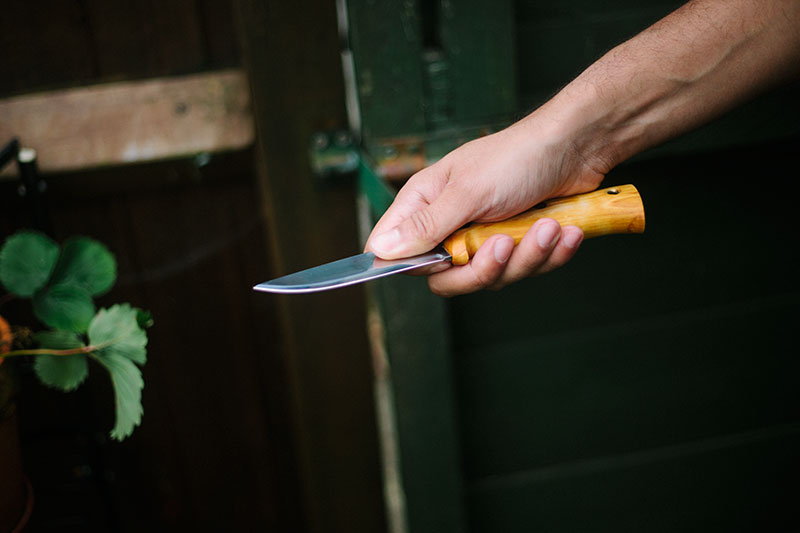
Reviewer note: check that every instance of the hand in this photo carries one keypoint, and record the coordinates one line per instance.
(486, 180)
(660, 83)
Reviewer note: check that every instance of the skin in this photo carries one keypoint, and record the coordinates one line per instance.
(688, 68)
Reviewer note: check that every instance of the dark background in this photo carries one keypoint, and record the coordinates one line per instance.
(249, 424)
(649, 385)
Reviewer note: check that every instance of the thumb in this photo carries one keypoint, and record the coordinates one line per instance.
(424, 228)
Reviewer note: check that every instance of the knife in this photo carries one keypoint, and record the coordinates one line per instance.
(608, 211)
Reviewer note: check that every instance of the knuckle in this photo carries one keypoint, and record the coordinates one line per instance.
(423, 225)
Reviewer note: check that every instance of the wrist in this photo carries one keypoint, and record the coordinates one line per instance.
(572, 130)
(600, 129)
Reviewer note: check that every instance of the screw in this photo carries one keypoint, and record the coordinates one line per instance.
(319, 141)
(343, 138)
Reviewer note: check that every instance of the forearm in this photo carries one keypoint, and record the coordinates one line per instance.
(690, 67)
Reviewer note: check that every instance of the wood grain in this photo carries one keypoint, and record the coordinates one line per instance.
(325, 344)
(132, 121)
(602, 212)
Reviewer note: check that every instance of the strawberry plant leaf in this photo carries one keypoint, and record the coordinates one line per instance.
(120, 343)
(64, 307)
(64, 372)
(26, 261)
(117, 330)
(57, 339)
(128, 384)
(85, 263)
(144, 318)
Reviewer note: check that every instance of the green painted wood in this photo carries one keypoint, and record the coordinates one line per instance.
(422, 382)
(713, 485)
(718, 234)
(425, 65)
(386, 43)
(418, 350)
(478, 39)
(626, 388)
(557, 40)
(684, 335)
(377, 192)
(650, 384)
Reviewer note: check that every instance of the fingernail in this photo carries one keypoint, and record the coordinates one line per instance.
(386, 242)
(502, 250)
(547, 234)
(572, 239)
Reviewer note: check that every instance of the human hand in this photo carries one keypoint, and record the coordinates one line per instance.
(487, 180)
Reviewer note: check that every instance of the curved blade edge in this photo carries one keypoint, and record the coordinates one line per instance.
(348, 271)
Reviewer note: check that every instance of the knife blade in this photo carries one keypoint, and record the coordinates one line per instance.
(614, 210)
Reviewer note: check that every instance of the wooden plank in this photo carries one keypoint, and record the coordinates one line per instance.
(642, 345)
(478, 39)
(146, 38)
(325, 350)
(415, 397)
(45, 44)
(387, 47)
(128, 122)
(736, 483)
(221, 42)
(221, 340)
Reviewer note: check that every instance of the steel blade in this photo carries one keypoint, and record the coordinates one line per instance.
(348, 271)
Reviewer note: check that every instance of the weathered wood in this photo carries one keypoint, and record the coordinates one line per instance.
(157, 37)
(325, 343)
(415, 394)
(386, 42)
(53, 44)
(213, 452)
(44, 44)
(478, 40)
(132, 121)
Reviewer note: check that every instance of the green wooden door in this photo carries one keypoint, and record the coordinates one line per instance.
(650, 385)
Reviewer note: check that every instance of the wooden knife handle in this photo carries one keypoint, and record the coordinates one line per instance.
(601, 212)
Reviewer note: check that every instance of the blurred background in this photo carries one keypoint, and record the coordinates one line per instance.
(649, 385)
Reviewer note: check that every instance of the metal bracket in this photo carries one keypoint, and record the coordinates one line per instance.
(31, 185)
(333, 153)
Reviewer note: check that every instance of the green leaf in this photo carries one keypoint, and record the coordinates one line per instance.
(144, 318)
(86, 263)
(26, 261)
(128, 385)
(58, 340)
(121, 342)
(64, 307)
(117, 328)
(65, 372)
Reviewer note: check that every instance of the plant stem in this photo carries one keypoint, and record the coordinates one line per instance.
(80, 350)
(45, 351)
